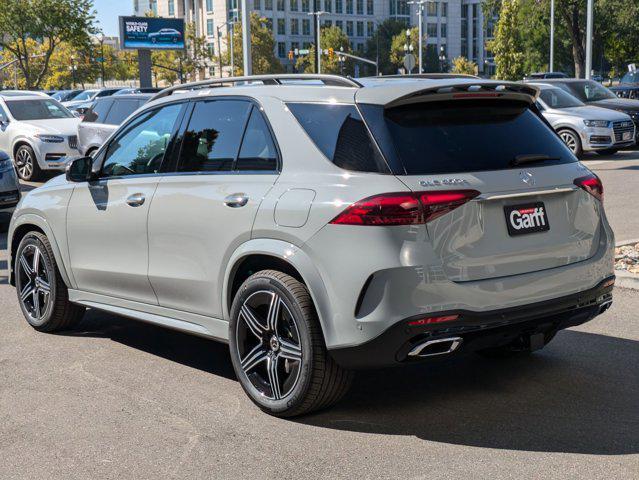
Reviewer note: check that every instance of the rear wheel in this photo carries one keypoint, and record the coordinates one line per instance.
(27, 164)
(572, 141)
(42, 294)
(278, 349)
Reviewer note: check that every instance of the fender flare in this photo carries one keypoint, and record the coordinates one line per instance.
(42, 224)
(299, 260)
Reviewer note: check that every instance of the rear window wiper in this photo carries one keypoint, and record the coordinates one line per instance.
(531, 158)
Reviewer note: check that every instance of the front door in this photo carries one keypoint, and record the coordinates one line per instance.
(107, 218)
(228, 163)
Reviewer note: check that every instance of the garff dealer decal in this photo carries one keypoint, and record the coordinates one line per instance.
(529, 218)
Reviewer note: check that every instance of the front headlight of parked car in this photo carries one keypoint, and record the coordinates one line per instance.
(6, 165)
(49, 138)
(597, 123)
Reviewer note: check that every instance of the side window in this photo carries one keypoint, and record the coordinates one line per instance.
(212, 140)
(3, 115)
(98, 112)
(139, 148)
(339, 132)
(258, 150)
(120, 110)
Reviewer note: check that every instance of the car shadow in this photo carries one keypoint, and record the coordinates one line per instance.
(578, 395)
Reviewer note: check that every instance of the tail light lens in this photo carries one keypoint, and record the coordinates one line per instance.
(403, 208)
(431, 320)
(591, 184)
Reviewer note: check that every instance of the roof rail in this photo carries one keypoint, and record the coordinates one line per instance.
(432, 76)
(274, 79)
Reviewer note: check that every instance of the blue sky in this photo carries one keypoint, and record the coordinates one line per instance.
(108, 12)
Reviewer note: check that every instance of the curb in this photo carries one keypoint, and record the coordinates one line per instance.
(622, 243)
(625, 279)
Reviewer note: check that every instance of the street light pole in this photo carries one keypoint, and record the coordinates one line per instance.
(420, 14)
(318, 47)
(102, 58)
(589, 39)
(246, 38)
(231, 47)
(552, 36)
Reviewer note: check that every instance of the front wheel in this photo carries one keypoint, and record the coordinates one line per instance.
(43, 296)
(572, 141)
(27, 164)
(278, 349)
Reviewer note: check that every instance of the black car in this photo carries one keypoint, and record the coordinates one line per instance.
(545, 75)
(628, 86)
(593, 93)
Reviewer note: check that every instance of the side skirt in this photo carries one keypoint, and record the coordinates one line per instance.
(209, 327)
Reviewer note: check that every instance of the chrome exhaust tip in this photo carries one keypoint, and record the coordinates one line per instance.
(605, 306)
(432, 348)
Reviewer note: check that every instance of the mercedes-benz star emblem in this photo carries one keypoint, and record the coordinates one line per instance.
(527, 178)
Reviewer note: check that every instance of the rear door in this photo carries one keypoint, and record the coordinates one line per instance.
(227, 164)
(526, 215)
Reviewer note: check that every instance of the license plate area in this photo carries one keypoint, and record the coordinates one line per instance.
(526, 218)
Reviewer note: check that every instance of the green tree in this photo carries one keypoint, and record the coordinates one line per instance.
(51, 22)
(262, 48)
(464, 66)
(331, 37)
(397, 46)
(380, 44)
(71, 66)
(507, 45)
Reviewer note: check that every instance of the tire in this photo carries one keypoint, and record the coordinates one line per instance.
(513, 349)
(307, 378)
(50, 291)
(572, 141)
(27, 164)
(610, 151)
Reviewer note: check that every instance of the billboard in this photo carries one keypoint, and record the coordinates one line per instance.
(152, 32)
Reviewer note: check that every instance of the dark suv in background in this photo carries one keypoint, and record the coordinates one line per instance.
(104, 117)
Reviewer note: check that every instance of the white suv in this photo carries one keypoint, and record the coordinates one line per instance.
(37, 131)
(319, 228)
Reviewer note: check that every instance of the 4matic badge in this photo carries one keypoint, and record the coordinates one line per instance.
(443, 182)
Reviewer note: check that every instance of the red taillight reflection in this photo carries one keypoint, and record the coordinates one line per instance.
(403, 208)
(430, 320)
(591, 184)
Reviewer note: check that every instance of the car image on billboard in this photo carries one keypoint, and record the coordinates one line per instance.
(152, 33)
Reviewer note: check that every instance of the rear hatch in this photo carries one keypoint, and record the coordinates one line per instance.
(523, 213)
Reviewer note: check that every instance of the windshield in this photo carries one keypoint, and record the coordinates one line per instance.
(86, 95)
(557, 98)
(589, 91)
(631, 77)
(37, 109)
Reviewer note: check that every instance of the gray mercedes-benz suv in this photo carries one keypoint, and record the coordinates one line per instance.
(319, 225)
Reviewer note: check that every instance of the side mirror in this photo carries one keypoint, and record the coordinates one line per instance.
(79, 169)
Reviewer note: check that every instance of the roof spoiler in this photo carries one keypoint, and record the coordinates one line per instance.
(469, 90)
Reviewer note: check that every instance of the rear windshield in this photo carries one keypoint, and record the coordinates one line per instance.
(463, 136)
(339, 132)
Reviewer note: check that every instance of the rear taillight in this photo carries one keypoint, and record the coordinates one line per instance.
(403, 208)
(431, 320)
(591, 184)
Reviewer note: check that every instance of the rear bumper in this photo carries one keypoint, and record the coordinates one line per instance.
(478, 330)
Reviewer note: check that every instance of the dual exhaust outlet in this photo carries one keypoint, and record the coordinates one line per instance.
(432, 348)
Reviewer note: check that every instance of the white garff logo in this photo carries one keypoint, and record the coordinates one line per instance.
(527, 218)
(527, 178)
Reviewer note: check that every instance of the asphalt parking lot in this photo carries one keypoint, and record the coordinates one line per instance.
(120, 399)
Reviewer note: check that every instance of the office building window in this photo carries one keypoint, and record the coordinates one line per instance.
(360, 48)
(339, 24)
(443, 30)
(306, 26)
(295, 46)
(295, 26)
(209, 5)
(172, 8)
(306, 45)
(360, 7)
(349, 7)
(281, 26)
(431, 30)
(444, 9)
(360, 29)
(306, 6)
(431, 9)
(209, 27)
(281, 6)
(281, 49)
(293, 5)
(316, 6)
(328, 6)
(349, 28)
(211, 49)
(268, 4)
(328, 23)
(370, 28)
(370, 7)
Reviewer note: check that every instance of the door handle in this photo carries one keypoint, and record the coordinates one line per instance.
(136, 200)
(236, 200)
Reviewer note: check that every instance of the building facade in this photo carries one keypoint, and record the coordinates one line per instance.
(451, 27)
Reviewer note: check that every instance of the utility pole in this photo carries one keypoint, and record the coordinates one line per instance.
(231, 48)
(552, 37)
(102, 58)
(219, 51)
(420, 16)
(246, 38)
(589, 39)
(318, 48)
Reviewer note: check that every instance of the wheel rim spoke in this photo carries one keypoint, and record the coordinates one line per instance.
(36, 261)
(273, 313)
(25, 265)
(44, 286)
(273, 376)
(290, 351)
(27, 291)
(251, 321)
(254, 358)
(36, 303)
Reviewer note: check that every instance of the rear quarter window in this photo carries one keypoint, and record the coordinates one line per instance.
(341, 135)
(463, 136)
(121, 109)
(98, 112)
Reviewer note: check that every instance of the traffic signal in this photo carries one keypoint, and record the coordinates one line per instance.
(290, 55)
(331, 53)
